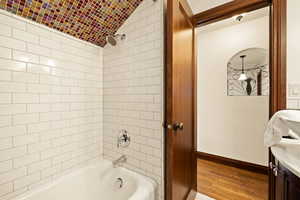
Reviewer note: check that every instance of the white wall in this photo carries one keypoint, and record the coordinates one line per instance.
(293, 51)
(50, 104)
(230, 126)
(133, 73)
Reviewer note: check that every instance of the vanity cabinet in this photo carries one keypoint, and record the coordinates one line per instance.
(286, 184)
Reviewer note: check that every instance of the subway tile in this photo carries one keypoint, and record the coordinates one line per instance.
(25, 36)
(50, 98)
(51, 80)
(10, 21)
(46, 42)
(51, 116)
(5, 30)
(32, 108)
(5, 98)
(25, 57)
(39, 147)
(5, 143)
(50, 105)
(48, 61)
(12, 43)
(38, 88)
(38, 30)
(50, 153)
(25, 139)
(12, 153)
(38, 127)
(25, 77)
(5, 53)
(12, 131)
(38, 69)
(25, 118)
(5, 75)
(8, 109)
(5, 166)
(5, 120)
(50, 171)
(27, 180)
(36, 49)
(12, 65)
(15, 193)
(25, 98)
(25, 160)
(38, 166)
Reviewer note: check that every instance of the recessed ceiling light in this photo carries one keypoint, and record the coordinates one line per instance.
(239, 17)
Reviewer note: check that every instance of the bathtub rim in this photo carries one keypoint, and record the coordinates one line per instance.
(104, 164)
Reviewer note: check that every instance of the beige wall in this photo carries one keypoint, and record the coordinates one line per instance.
(293, 52)
(230, 126)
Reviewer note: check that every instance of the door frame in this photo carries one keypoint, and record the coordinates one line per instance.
(168, 87)
(278, 72)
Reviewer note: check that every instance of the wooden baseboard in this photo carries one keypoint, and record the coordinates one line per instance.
(233, 163)
(191, 195)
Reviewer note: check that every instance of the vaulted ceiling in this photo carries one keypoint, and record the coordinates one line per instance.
(89, 20)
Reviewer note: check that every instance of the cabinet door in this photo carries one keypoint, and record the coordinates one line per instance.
(280, 185)
(292, 185)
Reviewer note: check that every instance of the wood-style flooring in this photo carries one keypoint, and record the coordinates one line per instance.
(223, 182)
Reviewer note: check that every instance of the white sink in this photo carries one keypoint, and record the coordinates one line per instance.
(287, 152)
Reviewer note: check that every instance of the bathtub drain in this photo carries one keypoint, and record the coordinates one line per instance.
(119, 182)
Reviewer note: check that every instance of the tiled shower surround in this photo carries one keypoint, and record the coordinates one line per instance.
(50, 104)
(133, 77)
(57, 91)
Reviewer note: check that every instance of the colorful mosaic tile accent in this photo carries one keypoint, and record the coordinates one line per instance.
(89, 20)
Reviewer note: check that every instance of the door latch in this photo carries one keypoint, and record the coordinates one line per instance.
(176, 126)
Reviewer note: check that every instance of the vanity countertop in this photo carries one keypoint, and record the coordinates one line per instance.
(288, 154)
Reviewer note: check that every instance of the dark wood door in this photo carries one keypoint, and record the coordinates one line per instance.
(179, 102)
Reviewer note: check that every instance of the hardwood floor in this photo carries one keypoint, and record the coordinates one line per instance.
(223, 182)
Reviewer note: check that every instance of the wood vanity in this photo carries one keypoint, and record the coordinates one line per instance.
(286, 184)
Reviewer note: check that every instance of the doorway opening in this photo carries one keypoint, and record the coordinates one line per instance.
(233, 107)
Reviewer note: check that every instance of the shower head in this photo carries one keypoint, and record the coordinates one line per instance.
(113, 39)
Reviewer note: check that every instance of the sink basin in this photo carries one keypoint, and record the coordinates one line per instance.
(292, 120)
(287, 152)
(294, 126)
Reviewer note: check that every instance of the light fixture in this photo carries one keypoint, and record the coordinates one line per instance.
(243, 75)
(239, 17)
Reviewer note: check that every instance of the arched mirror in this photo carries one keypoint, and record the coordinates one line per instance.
(248, 73)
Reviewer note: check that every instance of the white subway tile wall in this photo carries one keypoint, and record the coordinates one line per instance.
(51, 104)
(133, 87)
(293, 99)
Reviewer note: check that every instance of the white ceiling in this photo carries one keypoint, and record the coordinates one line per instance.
(202, 5)
(232, 21)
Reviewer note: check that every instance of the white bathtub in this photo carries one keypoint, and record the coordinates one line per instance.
(97, 182)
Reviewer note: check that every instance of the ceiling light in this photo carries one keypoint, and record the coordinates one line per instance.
(243, 75)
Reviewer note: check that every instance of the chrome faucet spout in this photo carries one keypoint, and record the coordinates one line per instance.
(119, 161)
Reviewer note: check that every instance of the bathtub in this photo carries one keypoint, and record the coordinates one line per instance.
(99, 181)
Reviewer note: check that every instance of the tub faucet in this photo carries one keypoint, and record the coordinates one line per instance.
(119, 161)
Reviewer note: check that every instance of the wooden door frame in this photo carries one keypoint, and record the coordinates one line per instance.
(278, 72)
(168, 88)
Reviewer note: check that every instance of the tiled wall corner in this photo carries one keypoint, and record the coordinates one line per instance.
(50, 104)
(293, 99)
(133, 92)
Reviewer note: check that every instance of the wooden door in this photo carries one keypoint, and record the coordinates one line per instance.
(180, 165)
